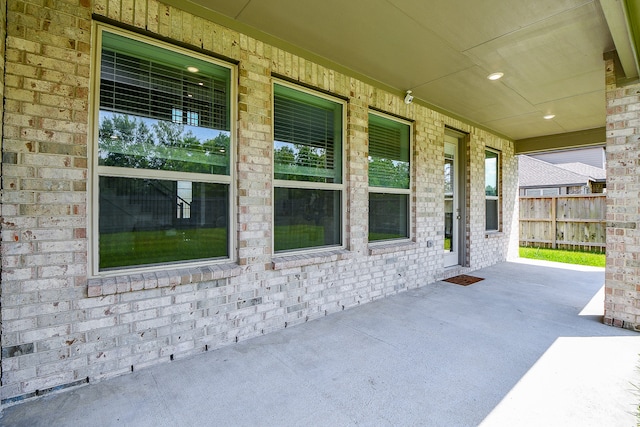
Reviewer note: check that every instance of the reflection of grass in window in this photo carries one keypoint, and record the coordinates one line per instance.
(447, 243)
(153, 247)
(287, 237)
(385, 236)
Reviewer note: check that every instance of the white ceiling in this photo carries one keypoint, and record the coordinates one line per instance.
(550, 51)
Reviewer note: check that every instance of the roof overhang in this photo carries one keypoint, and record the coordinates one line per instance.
(562, 141)
(623, 20)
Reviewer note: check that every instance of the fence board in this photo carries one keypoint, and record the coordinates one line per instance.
(576, 222)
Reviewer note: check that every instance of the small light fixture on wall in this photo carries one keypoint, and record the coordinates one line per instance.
(549, 116)
(408, 99)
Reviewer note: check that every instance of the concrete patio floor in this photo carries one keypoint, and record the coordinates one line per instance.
(524, 347)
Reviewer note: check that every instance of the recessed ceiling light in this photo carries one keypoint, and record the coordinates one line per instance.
(549, 116)
(495, 76)
(192, 69)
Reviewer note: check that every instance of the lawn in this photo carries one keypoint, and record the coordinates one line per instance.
(298, 236)
(567, 257)
(373, 237)
(154, 247)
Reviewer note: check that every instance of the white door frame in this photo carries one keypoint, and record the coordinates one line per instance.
(455, 223)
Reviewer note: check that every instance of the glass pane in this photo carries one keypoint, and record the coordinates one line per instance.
(492, 214)
(388, 153)
(150, 81)
(162, 110)
(307, 137)
(147, 221)
(448, 176)
(449, 186)
(491, 173)
(388, 216)
(306, 218)
(142, 143)
(449, 242)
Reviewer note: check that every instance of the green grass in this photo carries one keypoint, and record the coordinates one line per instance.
(299, 236)
(154, 247)
(567, 257)
(447, 243)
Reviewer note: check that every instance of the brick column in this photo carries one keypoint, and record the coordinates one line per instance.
(357, 176)
(622, 283)
(44, 199)
(428, 182)
(3, 35)
(255, 149)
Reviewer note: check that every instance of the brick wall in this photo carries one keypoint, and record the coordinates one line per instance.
(3, 35)
(622, 283)
(61, 327)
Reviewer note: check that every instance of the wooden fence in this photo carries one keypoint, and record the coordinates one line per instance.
(575, 222)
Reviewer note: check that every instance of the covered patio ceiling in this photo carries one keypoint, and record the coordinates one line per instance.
(550, 51)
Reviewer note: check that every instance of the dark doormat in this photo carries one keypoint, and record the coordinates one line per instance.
(463, 280)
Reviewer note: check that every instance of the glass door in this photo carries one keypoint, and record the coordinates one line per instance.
(451, 202)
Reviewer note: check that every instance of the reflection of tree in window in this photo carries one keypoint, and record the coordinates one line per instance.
(136, 142)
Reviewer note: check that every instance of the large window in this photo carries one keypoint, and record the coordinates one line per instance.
(307, 151)
(492, 189)
(162, 155)
(389, 178)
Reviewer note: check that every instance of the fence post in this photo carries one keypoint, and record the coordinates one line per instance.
(554, 222)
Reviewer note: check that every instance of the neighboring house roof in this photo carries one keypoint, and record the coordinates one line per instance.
(596, 174)
(536, 173)
(594, 156)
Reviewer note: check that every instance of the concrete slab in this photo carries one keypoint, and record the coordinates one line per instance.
(525, 346)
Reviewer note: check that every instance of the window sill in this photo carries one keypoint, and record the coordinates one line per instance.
(300, 260)
(386, 248)
(100, 286)
(489, 234)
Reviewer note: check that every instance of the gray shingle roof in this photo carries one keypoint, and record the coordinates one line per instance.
(596, 174)
(536, 173)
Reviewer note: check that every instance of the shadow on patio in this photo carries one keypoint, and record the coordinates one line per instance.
(525, 346)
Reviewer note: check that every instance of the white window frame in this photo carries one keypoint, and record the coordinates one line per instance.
(498, 190)
(98, 170)
(553, 191)
(391, 190)
(283, 183)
